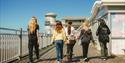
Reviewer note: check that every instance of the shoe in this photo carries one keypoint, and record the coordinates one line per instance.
(104, 59)
(85, 59)
(58, 61)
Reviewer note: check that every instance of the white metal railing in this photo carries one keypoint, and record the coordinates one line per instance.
(14, 43)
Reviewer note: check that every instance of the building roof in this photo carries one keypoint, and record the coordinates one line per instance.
(50, 14)
(73, 18)
(112, 0)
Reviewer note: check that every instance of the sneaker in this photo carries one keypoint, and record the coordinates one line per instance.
(58, 61)
(104, 59)
(85, 59)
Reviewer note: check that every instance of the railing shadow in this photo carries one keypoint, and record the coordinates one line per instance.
(49, 59)
(77, 58)
(99, 57)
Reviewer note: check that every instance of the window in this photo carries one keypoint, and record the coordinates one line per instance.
(118, 25)
(47, 23)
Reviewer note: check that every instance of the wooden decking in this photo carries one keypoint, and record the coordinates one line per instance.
(93, 54)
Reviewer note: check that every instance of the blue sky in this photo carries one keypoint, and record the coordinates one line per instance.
(16, 13)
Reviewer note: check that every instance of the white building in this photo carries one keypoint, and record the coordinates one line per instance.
(50, 19)
(76, 21)
(113, 11)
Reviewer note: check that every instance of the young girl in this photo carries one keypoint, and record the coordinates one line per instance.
(86, 36)
(58, 39)
(70, 33)
(33, 28)
(103, 33)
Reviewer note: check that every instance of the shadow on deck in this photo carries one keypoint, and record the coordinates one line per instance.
(94, 56)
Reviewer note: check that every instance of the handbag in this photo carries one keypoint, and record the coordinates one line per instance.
(71, 39)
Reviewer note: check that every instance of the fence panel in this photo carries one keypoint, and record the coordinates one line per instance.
(14, 43)
(24, 44)
(9, 45)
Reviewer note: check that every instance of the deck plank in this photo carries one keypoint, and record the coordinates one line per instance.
(93, 54)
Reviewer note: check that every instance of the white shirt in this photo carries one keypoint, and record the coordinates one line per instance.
(72, 32)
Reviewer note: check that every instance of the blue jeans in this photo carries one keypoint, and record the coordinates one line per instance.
(59, 49)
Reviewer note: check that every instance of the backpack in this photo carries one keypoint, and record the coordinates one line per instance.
(85, 38)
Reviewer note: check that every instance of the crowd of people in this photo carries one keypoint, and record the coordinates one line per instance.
(66, 35)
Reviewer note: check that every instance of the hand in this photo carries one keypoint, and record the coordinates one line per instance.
(78, 37)
(67, 42)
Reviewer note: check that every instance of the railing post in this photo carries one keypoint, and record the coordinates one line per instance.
(21, 42)
(41, 41)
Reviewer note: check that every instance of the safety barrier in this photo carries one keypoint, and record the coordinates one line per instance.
(14, 43)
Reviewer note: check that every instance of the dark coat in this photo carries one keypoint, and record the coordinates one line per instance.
(86, 36)
(103, 33)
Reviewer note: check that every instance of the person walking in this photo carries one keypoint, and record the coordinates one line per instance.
(86, 37)
(33, 29)
(70, 33)
(58, 38)
(103, 36)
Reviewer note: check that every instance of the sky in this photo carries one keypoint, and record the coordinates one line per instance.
(16, 14)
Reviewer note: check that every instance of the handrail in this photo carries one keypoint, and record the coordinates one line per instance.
(15, 45)
(9, 29)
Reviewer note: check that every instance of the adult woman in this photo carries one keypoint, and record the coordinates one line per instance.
(33, 28)
(103, 37)
(86, 37)
(59, 38)
(70, 33)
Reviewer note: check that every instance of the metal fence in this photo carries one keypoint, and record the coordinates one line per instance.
(14, 43)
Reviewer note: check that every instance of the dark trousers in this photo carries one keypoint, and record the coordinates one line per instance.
(85, 49)
(33, 43)
(59, 49)
(104, 50)
(70, 48)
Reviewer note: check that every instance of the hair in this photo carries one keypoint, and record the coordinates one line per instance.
(102, 21)
(69, 28)
(86, 25)
(32, 24)
(69, 22)
(58, 29)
